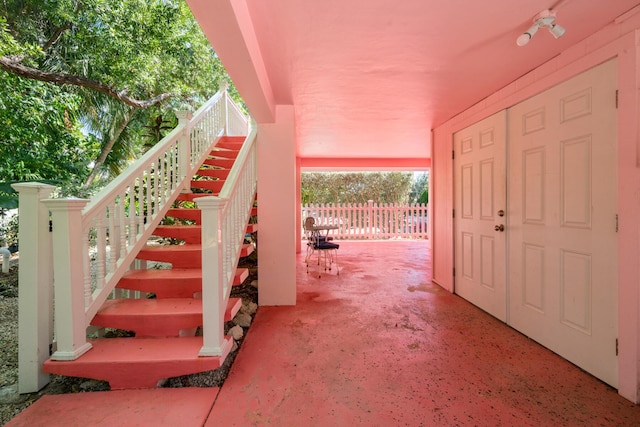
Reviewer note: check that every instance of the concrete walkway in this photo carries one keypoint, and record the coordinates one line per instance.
(378, 345)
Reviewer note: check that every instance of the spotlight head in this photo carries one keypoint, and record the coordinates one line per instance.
(557, 30)
(527, 35)
(546, 18)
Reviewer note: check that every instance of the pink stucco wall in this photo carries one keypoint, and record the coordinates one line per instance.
(620, 39)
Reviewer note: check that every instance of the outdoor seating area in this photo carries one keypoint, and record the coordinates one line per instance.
(320, 247)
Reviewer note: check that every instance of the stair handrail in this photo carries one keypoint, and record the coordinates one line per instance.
(224, 221)
(95, 241)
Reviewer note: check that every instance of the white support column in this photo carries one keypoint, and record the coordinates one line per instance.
(70, 322)
(35, 287)
(277, 208)
(213, 298)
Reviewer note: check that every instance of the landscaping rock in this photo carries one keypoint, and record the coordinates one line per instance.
(249, 307)
(242, 319)
(236, 332)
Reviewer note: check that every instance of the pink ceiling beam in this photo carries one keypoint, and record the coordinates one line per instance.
(227, 24)
(365, 164)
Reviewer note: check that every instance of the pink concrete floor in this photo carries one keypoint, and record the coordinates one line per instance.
(379, 345)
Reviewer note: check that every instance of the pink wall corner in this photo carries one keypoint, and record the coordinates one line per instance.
(441, 202)
(619, 41)
(298, 204)
(277, 209)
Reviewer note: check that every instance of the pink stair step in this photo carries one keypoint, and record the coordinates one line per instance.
(128, 363)
(171, 283)
(164, 317)
(188, 233)
(214, 173)
(234, 138)
(190, 197)
(240, 276)
(180, 256)
(213, 185)
(221, 163)
(247, 249)
(224, 153)
(188, 214)
(232, 143)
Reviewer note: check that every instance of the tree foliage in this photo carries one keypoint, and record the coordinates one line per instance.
(420, 189)
(356, 187)
(95, 79)
(40, 136)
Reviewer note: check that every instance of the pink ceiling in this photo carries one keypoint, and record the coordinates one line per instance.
(371, 78)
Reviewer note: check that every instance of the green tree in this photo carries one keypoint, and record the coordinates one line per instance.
(420, 189)
(129, 64)
(40, 136)
(355, 187)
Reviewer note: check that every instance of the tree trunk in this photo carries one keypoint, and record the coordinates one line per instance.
(107, 149)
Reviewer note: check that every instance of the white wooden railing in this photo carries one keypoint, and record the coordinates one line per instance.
(371, 220)
(94, 242)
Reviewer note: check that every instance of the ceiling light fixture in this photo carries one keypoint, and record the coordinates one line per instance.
(546, 18)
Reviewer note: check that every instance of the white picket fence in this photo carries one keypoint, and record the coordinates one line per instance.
(371, 220)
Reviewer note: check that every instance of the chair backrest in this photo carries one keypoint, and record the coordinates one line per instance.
(309, 222)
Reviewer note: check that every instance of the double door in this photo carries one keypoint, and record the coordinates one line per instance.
(535, 218)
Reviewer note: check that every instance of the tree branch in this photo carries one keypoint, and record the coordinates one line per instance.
(56, 36)
(67, 79)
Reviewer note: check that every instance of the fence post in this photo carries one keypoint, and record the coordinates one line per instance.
(213, 298)
(185, 144)
(35, 286)
(370, 220)
(68, 275)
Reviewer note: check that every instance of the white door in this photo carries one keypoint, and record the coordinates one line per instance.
(480, 194)
(562, 220)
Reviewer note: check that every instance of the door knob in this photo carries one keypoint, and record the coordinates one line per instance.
(500, 212)
(499, 227)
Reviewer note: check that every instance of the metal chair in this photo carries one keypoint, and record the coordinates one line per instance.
(317, 244)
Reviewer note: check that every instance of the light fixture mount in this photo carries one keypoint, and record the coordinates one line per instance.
(546, 18)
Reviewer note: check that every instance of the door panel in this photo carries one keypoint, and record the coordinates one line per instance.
(562, 207)
(480, 192)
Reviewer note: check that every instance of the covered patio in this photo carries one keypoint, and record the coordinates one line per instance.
(378, 345)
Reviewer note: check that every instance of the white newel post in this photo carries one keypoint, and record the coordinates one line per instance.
(185, 145)
(213, 298)
(35, 286)
(68, 275)
(225, 109)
